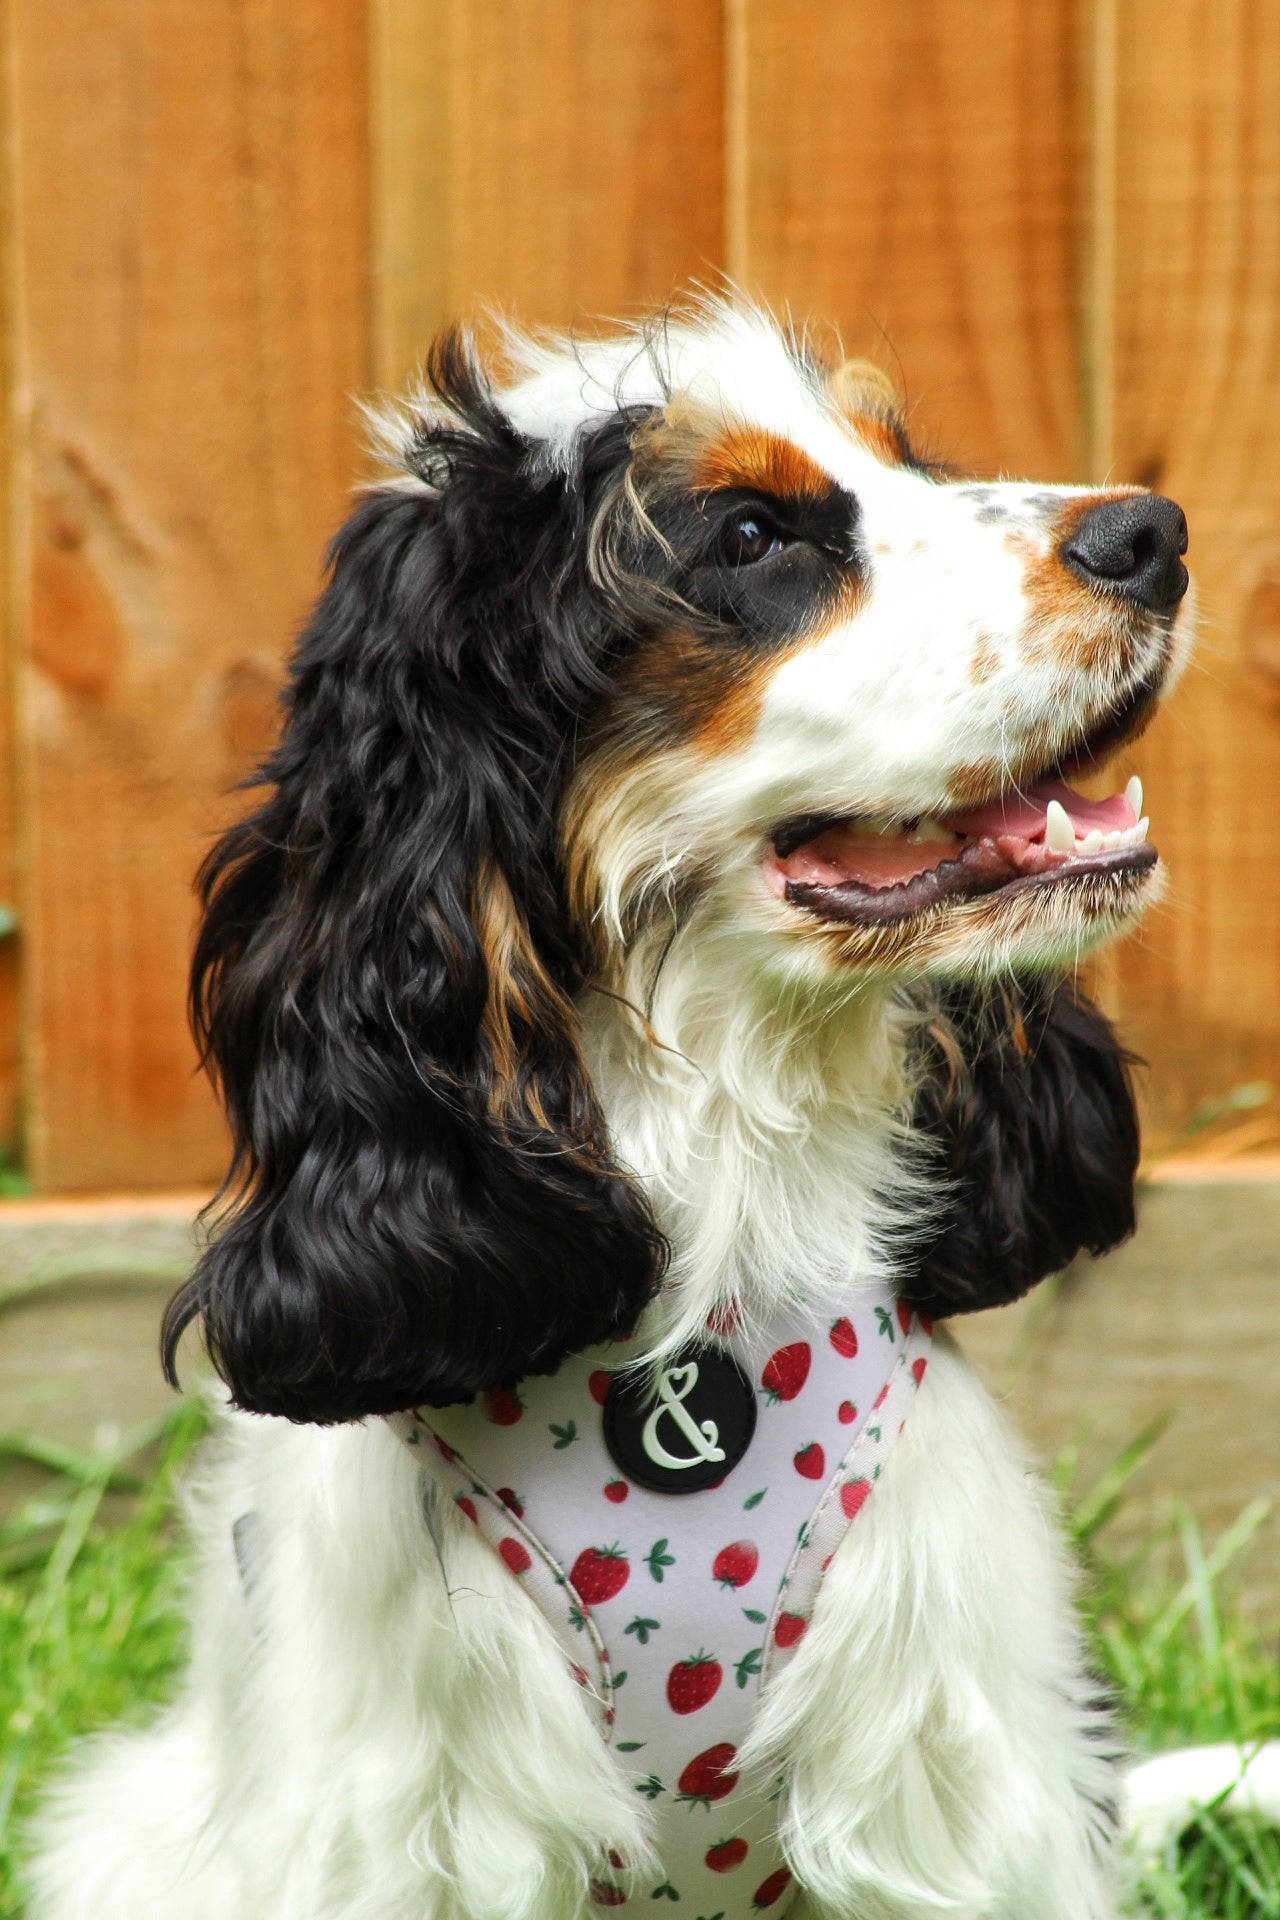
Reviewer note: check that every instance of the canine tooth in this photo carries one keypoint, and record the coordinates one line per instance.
(1059, 834)
(1092, 842)
(928, 829)
(1133, 794)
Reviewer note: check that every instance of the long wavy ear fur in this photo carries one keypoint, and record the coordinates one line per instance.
(1028, 1094)
(425, 1200)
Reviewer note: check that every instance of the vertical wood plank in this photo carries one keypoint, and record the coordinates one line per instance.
(10, 994)
(412, 90)
(1196, 408)
(581, 169)
(915, 173)
(193, 243)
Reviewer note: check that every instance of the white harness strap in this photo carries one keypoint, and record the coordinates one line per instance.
(674, 1609)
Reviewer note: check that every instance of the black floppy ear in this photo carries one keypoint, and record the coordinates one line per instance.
(426, 1205)
(1028, 1094)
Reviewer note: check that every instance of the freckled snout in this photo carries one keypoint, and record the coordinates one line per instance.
(1134, 546)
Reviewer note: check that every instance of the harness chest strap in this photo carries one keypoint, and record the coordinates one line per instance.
(674, 1609)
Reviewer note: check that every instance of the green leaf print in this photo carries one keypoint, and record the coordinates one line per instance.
(665, 1892)
(754, 1499)
(650, 1787)
(619, 1678)
(754, 1615)
(658, 1559)
(641, 1627)
(885, 1318)
(749, 1664)
(631, 1746)
(565, 1435)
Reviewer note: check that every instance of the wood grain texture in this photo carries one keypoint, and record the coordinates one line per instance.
(914, 172)
(10, 986)
(193, 264)
(581, 168)
(1196, 302)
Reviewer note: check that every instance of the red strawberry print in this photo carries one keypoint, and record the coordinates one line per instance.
(502, 1406)
(469, 1508)
(786, 1371)
(691, 1683)
(771, 1889)
(443, 1448)
(706, 1777)
(511, 1500)
(516, 1554)
(918, 1367)
(790, 1628)
(598, 1385)
(852, 1495)
(617, 1491)
(811, 1462)
(735, 1564)
(724, 1319)
(880, 1398)
(847, 1413)
(606, 1896)
(844, 1337)
(598, 1573)
(904, 1316)
(727, 1854)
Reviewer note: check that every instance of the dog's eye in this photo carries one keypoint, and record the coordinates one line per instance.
(748, 538)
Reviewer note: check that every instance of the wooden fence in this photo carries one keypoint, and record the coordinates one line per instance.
(1056, 221)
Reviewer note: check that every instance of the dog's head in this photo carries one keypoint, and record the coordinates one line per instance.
(664, 632)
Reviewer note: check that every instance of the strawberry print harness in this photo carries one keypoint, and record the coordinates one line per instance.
(674, 1532)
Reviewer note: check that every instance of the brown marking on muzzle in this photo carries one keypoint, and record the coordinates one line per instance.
(1069, 624)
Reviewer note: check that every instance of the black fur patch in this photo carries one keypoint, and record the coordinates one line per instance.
(1028, 1094)
(416, 1217)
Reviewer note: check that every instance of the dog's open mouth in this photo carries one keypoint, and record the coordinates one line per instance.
(874, 872)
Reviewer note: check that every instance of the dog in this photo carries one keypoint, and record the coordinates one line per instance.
(652, 956)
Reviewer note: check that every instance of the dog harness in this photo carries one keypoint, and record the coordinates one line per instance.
(674, 1529)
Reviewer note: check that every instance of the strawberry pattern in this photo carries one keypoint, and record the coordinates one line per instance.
(674, 1611)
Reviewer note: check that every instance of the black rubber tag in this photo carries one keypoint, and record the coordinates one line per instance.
(688, 1432)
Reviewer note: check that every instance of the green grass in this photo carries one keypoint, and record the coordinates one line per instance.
(89, 1624)
(1188, 1668)
(90, 1633)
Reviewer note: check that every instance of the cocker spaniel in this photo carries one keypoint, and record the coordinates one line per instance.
(643, 1002)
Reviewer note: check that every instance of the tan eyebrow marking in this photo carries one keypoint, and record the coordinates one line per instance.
(768, 462)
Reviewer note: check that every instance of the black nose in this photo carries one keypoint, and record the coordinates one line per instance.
(1133, 544)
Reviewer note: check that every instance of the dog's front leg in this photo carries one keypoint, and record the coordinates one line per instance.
(938, 1728)
(377, 1723)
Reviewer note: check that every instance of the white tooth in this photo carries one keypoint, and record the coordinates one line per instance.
(1092, 842)
(1133, 794)
(928, 829)
(1059, 834)
(1140, 831)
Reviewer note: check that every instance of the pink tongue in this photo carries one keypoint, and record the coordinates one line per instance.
(1023, 813)
(844, 854)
